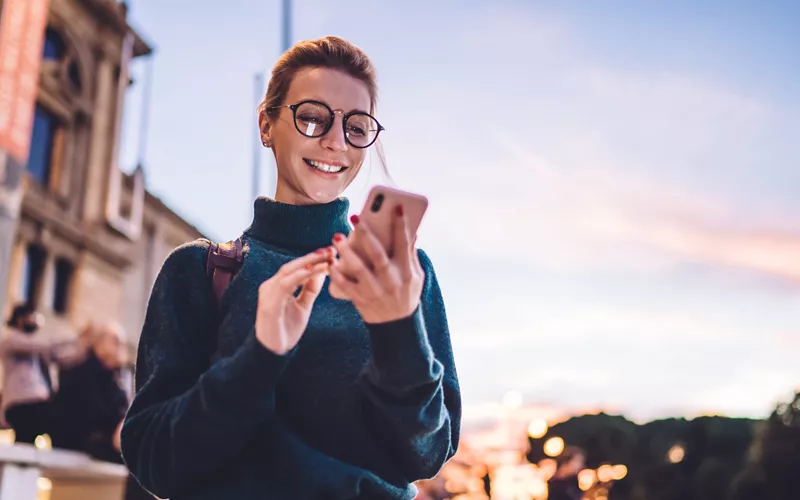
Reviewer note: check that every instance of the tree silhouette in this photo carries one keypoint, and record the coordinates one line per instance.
(773, 459)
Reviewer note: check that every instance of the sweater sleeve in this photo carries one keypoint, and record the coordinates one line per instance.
(413, 400)
(190, 417)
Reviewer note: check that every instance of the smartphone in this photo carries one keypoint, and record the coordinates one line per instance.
(379, 215)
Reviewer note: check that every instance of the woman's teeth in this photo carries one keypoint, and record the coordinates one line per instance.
(324, 167)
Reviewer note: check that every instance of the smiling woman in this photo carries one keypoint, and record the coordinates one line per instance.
(271, 393)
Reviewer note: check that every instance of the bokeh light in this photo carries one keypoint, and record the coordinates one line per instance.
(553, 447)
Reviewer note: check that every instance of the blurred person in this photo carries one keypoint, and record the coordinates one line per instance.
(564, 483)
(27, 385)
(91, 401)
(282, 390)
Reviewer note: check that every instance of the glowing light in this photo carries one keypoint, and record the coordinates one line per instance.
(512, 399)
(676, 454)
(619, 472)
(42, 442)
(7, 436)
(547, 468)
(537, 487)
(586, 479)
(605, 473)
(44, 488)
(553, 447)
(537, 428)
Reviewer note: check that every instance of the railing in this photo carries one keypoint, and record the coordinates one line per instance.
(28, 473)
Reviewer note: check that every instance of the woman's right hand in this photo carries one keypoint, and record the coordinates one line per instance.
(282, 317)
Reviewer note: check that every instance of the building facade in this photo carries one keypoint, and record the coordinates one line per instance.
(91, 239)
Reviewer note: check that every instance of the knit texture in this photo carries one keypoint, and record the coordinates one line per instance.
(355, 411)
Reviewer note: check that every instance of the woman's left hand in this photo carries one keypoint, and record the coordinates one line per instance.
(381, 287)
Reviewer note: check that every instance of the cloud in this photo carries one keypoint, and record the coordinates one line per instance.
(753, 393)
(569, 324)
(548, 377)
(597, 217)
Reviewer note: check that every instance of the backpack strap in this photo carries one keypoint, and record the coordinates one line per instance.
(222, 264)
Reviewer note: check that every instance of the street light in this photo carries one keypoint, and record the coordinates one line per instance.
(537, 428)
(553, 447)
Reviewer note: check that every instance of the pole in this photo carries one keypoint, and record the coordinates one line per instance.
(287, 25)
(259, 88)
(286, 43)
(11, 173)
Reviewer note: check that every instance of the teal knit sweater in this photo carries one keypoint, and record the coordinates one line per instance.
(355, 411)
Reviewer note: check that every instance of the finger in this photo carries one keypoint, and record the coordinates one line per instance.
(374, 252)
(403, 248)
(345, 288)
(313, 258)
(353, 267)
(290, 282)
(336, 292)
(311, 289)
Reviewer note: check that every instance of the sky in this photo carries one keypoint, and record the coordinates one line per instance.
(613, 218)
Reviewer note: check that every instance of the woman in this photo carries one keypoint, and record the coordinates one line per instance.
(27, 387)
(282, 391)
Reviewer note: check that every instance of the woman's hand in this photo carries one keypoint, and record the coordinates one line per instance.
(382, 288)
(282, 317)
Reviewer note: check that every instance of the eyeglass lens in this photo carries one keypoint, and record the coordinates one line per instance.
(315, 119)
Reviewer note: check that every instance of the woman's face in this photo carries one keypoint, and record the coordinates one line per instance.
(299, 182)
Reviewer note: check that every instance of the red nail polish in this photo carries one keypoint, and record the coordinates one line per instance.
(354, 219)
(399, 210)
(337, 237)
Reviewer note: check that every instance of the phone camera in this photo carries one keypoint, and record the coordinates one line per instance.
(377, 202)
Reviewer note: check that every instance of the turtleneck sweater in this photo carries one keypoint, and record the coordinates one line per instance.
(354, 411)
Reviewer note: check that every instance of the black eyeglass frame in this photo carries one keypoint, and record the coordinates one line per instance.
(345, 117)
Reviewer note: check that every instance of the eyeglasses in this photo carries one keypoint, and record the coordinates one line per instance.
(315, 119)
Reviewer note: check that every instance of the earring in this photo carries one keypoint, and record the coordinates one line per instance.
(266, 144)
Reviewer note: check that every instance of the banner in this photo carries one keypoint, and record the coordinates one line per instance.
(22, 28)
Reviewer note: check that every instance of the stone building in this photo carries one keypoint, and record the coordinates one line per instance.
(91, 238)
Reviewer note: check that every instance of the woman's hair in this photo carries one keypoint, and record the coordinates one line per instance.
(329, 52)
(20, 311)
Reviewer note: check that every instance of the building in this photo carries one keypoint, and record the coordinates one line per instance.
(91, 239)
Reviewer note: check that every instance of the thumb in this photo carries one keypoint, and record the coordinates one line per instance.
(310, 290)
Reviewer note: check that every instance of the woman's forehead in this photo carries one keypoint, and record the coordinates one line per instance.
(338, 90)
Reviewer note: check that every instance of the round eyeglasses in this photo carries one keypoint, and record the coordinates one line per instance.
(315, 119)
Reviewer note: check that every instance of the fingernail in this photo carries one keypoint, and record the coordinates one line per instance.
(354, 219)
(399, 210)
(337, 237)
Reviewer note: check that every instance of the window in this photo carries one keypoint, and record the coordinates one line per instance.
(63, 276)
(32, 272)
(43, 140)
(54, 46)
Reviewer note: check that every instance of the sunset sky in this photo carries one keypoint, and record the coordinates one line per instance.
(614, 216)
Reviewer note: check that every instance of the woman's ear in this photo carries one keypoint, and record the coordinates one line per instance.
(265, 129)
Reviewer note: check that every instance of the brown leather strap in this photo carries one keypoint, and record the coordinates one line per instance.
(222, 264)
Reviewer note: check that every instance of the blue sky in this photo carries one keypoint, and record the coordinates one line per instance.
(614, 215)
